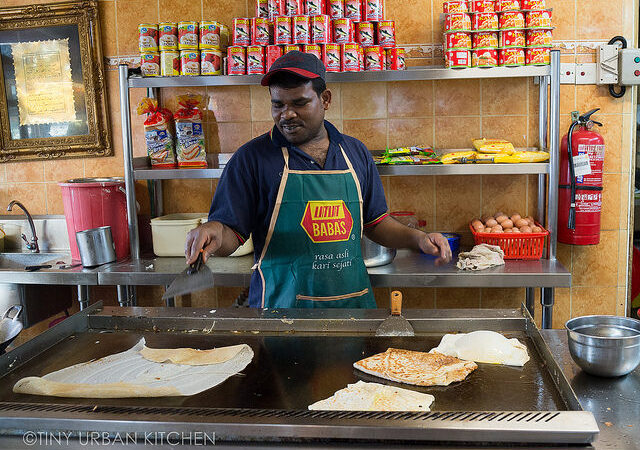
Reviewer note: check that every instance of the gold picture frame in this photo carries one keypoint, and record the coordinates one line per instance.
(52, 85)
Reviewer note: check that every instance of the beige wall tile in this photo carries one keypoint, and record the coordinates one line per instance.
(610, 216)
(225, 10)
(564, 255)
(415, 194)
(505, 96)
(512, 128)
(503, 298)
(449, 136)
(260, 103)
(589, 97)
(260, 128)
(415, 298)
(108, 34)
(624, 258)
(457, 298)
(172, 11)
(593, 300)
(457, 97)
(408, 132)
(63, 170)
(30, 171)
(3, 172)
(228, 104)
(506, 193)
(335, 108)
(410, 98)
(54, 199)
(227, 137)
(567, 99)
(31, 195)
(458, 201)
(563, 18)
(599, 19)
(596, 265)
(364, 100)
(129, 14)
(412, 18)
(372, 132)
(561, 307)
(612, 134)
(187, 196)
(621, 304)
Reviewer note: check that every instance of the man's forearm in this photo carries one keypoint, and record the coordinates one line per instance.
(229, 242)
(393, 234)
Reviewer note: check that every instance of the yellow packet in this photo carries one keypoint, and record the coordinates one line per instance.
(458, 157)
(493, 146)
(523, 157)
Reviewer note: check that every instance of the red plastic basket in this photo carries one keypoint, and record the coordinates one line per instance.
(514, 245)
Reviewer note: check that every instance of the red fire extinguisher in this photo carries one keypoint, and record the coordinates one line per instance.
(580, 193)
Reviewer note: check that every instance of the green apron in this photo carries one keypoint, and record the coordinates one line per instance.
(312, 257)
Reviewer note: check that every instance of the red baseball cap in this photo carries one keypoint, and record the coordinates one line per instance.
(304, 65)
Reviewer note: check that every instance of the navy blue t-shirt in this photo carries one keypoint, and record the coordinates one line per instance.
(247, 191)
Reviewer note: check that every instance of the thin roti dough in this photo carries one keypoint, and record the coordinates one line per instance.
(191, 356)
(40, 386)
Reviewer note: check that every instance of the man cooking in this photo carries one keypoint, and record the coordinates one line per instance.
(305, 192)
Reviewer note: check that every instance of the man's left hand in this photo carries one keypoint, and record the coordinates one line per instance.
(437, 245)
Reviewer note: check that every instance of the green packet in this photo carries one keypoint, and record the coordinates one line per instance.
(409, 159)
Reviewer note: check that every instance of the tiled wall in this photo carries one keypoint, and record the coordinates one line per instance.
(446, 114)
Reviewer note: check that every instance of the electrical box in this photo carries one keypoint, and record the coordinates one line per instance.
(629, 66)
(607, 64)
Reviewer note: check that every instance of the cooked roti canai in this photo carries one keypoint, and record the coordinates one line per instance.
(419, 368)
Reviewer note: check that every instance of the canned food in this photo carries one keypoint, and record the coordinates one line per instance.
(458, 39)
(511, 19)
(342, 31)
(277, 8)
(512, 38)
(236, 60)
(168, 36)
(294, 7)
(373, 11)
(282, 30)
(374, 58)
(188, 35)
(209, 35)
(321, 29)
(315, 8)
(458, 22)
(360, 57)
(148, 37)
(189, 62)
(350, 57)
(485, 21)
(513, 56)
(335, 9)
(301, 30)
(458, 6)
(533, 4)
(262, 8)
(484, 57)
(485, 39)
(507, 5)
(395, 58)
(537, 56)
(313, 49)
(241, 34)
(170, 63)
(260, 31)
(353, 10)
(211, 62)
(273, 52)
(387, 34)
(150, 64)
(331, 57)
(457, 59)
(539, 38)
(292, 47)
(538, 19)
(255, 59)
(483, 6)
(365, 34)
(224, 36)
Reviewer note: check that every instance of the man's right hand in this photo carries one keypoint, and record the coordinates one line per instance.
(208, 236)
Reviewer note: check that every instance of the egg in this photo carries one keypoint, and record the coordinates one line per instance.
(516, 230)
(501, 218)
(508, 230)
(506, 224)
(536, 230)
(530, 220)
(515, 218)
(485, 218)
(490, 223)
(484, 346)
(496, 229)
(525, 229)
(481, 229)
(521, 223)
(475, 223)
(498, 214)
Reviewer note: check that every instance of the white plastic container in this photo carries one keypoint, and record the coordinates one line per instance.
(170, 232)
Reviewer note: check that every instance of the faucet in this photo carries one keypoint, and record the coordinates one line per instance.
(33, 245)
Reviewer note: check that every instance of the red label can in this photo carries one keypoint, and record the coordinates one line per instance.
(294, 7)
(374, 58)
(483, 6)
(331, 57)
(507, 5)
(511, 19)
(170, 63)
(361, 56)
(458, 39)
(374, 11)
(353, 10)
(485, 21)
(511, 57)
(187, 35)
(387, 34)
(313, 49)
(241, 31)
(210, 35)
(211, 62)
(342, 31)
(189, 62)
(537, 56)
(335, 8)
(485, 39)
(148, 37)
(262, 8)
(539, 38)
(365, 33)
(512, 38)
(260, 31)
(484, 57)
(350, 58)
(533, 4)
(236, 60)
(168, 36)
(459, 22)
(538, 19)
(457, 6)
(457, 59)
(150, 64)
(301, 30)
(315, 8)
(255, 59)
(321, 29)
(292, 47)
(282, 30)
(273, 52)
(395, 59)
(276, 8)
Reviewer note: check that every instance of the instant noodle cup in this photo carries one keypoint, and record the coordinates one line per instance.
(511, 19)
(511, 38)
(331, 57)
(148, 37)
(374, 58)
(170, 63)
(301, 30)
(255, 59)
(387, 34)
(457, 59)
(272, 52)
(168, 36)
(538, 19)
(537, 56)
(211, 62)
(189, 62)
(188, 35)
(507, 5)
(150, 64)
(483, 6)
(365, 33)
(485, 39)
(190, 147)
(313, 49)
(236, 60)
(455, 7)
(533, 4)
(260, 31)
(511, 57)
(484, 57)
(353, 10)
(157, 133)
(458, 40)
(485, 21)
(539, 38)
(458, 22)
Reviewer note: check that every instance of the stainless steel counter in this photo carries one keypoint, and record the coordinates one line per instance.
(56, 275)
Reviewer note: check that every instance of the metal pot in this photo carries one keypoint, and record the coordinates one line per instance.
(10, 327)
(374, 254)
(96, 246)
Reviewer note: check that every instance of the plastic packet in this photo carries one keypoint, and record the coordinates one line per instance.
(189, 133)
(493, 146)
(459, 157)
(158, 133)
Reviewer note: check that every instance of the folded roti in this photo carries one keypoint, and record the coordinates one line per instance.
(417, 368)
(191, 356)
(363, 396)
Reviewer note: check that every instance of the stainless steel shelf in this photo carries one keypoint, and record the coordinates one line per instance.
(142, 169)
(409, 269)
(411, 74)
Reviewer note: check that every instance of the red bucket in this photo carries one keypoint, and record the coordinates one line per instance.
(96, 202)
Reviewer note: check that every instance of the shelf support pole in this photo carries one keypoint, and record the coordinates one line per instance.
(554, 150)
(543, 128)
(547, 300)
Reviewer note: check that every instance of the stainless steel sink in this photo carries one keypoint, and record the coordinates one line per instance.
(18, 261)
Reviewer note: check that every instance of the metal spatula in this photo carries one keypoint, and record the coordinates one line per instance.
(196, 277)
(395, 324)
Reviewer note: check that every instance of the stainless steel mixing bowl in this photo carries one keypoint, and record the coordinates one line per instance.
(607, 346)
(374, 254)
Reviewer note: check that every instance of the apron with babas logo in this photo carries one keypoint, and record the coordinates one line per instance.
(312, 257)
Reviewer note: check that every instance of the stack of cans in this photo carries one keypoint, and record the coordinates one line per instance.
(182, 48)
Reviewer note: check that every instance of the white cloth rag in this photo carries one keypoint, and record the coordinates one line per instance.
(481, 257)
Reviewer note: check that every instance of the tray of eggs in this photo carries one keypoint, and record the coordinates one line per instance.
(519, 237)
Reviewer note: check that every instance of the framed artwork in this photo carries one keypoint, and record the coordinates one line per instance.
(52, 85)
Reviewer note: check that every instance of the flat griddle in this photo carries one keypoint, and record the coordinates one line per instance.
(301, 356)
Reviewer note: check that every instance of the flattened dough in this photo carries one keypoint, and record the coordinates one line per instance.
(41, 386)
(191, 356)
